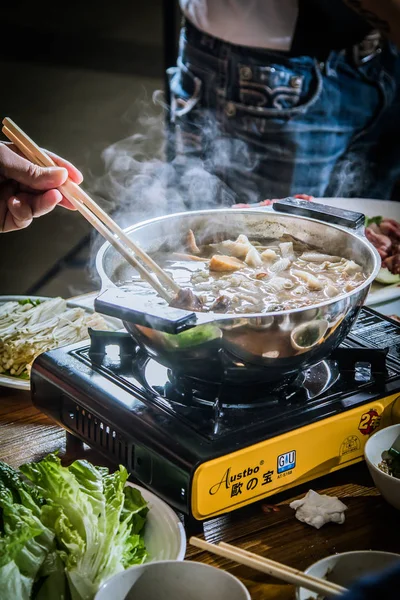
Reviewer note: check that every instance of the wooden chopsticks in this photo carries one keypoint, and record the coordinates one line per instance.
(270, 567)
(92, 212)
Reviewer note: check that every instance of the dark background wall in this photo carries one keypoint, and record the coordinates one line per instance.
(76, 76)
(122, 35)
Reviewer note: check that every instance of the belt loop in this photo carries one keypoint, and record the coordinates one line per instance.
(207, 41)
(330, 64)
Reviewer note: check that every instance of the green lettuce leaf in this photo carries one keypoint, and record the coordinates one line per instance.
(370, 220)
(97, 523)
(22, 492)
(24, 540)
(134, 502)
(53, 583)
(14, 585)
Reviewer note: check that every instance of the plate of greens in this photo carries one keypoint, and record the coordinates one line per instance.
(35, 324)
(65, 530)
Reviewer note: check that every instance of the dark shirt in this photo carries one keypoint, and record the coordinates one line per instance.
(325, 25)
(385, 586)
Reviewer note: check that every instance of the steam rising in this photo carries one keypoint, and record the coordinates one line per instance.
(193, 166)
(352, 177)
(141, 183)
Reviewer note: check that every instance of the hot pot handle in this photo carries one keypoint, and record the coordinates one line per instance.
(321, 212)
(123, 304)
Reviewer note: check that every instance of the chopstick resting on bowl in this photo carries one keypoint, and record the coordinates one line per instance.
(270, 567)
(95, 215)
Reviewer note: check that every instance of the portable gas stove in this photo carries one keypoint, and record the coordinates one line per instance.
(209, 449)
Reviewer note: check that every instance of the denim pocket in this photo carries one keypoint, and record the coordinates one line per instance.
(277, 90)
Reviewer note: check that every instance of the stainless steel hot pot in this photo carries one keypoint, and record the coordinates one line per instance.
(244, 347)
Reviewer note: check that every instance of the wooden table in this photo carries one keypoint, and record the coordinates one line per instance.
(26, 435)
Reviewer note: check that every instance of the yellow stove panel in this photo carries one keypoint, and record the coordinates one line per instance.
(260, 470)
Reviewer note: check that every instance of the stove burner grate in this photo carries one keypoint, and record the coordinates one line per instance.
(351, 363)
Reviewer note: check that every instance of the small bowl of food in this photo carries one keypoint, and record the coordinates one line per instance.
(346, 568)
(172, 579)
(384, 463)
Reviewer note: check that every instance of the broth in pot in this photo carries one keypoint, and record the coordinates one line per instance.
(258, 276)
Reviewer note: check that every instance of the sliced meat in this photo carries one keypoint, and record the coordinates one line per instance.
(395, 247)
(381, 242)
(221, 304)
(187, 300)
(393, 264)
(304, 197)
(269, 202)
(374, 227)
(255, 204)
(391, 228)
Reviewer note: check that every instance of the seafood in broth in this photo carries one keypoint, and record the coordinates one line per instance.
(258, 276)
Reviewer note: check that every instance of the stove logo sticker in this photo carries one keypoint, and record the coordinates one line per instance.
(369, 422)
(349, 445)
(287, 461)
(234, 482)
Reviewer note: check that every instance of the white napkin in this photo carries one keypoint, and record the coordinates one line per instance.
(316, 510)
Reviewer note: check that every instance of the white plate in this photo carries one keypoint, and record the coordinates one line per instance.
(164, 536)
(25, 384)
(371, 208)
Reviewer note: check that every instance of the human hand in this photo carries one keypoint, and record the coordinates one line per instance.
(28, 191)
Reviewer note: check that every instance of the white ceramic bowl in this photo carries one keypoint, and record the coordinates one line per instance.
(344, 569)
(164, 535)
(380, 441)
(172, 580)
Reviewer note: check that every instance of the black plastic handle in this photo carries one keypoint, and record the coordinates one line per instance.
(139, 310)
(321, 212)
(100, 339)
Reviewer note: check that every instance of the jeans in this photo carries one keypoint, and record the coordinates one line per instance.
(268, 125)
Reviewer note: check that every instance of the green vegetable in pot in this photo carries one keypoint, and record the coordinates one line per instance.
(192, 337)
